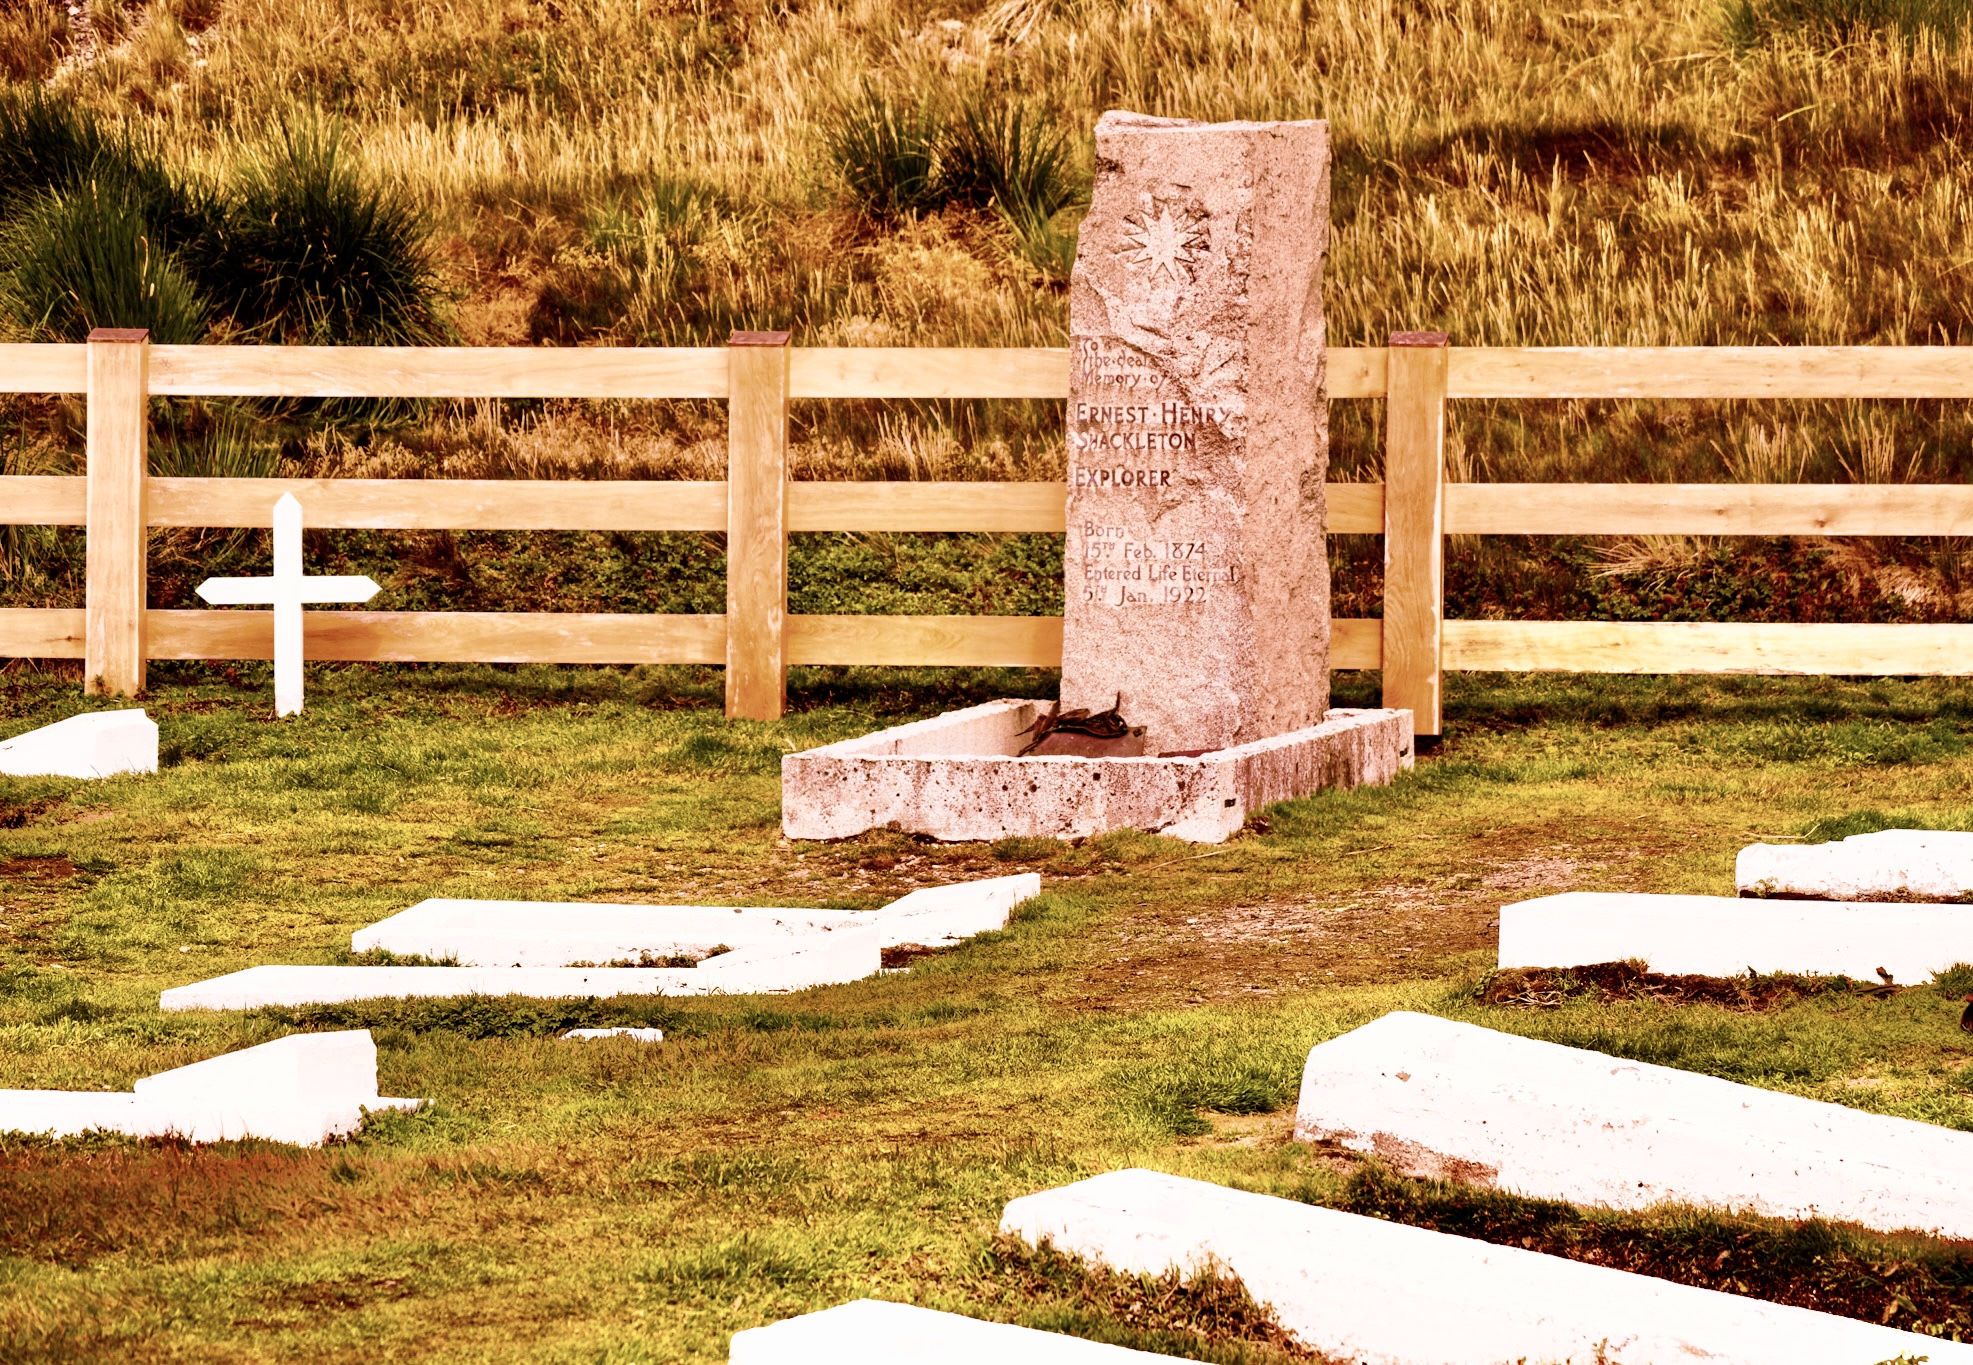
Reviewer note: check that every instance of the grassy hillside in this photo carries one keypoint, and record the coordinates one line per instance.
(1790, 171)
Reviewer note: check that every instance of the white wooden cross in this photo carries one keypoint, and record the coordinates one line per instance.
(287, 590)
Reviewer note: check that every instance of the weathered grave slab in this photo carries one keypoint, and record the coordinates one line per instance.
(762, 968)
(1197, 598)
(1727, 936)
(934, 915)
(1890, 865)
(486, 933)
(302, 1089)
(957, 776)
(1366, 1290)
(874, 1332)
(1448, 1100)
(97, 744)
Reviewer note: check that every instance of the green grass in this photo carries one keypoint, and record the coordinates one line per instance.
(615, 1202)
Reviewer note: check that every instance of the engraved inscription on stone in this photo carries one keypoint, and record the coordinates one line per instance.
(1197, 584)
(1118, 571)
(1115, 446)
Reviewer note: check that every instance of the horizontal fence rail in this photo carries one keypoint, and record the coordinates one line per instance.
(758, 506)
(1507, 372)
(1538, 509)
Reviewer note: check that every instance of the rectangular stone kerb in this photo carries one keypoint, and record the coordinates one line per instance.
(1198, 583)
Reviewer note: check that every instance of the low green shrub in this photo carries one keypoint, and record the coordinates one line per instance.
(312, 253)
(1007, 157)
(90, 256)
(887, 153)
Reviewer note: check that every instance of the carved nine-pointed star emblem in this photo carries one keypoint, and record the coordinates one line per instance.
(1165, 243)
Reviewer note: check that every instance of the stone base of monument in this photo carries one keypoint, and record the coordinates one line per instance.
(1890, 865)
(304, 1089)
(1439, 1099)
(1729, 936)
(1363, 1289)
(960, 776)
(874, 1331)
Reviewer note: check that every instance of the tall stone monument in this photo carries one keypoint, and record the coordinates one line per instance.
(1197, 580)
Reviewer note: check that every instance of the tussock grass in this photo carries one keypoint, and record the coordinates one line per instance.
(85, 257)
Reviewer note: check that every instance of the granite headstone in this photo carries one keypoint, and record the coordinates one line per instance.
(1197, 586)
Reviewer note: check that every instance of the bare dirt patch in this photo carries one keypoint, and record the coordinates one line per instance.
(1184, 953)
(37, 869)
(1534, 873)
(1250, 1130)
(20, 814)
(1181, 951)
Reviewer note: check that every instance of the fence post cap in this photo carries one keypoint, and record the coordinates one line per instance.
(759, 339)
(126, 334)
(1418, 339)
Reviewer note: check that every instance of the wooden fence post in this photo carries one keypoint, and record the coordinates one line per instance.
(118, 433)
(1414, 525)
(756, 524)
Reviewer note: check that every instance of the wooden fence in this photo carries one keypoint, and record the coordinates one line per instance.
(757, 506)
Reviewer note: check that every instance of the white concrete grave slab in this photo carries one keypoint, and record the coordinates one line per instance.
(303, 1089)
(286, 590)
(97, 744)
(1442, 1099)
(933, 915)
(1728, 935)
(485, 933)
(762, 968)
(1379, 1293)
(1890, 865)
(874, 1332)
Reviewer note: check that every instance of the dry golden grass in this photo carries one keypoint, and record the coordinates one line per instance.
(657, 172)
